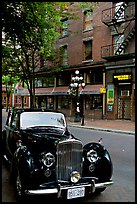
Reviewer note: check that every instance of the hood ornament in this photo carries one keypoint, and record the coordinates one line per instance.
(100, 140)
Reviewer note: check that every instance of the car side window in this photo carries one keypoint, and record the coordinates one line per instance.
(15, 122)
(9, 119)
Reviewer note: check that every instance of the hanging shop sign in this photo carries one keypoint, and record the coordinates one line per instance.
(122, 78)
(102, 90)
(110, 96)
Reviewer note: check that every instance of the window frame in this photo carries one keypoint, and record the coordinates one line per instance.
(86, 20)
(85, 46)
(64, 30)
(64, 55)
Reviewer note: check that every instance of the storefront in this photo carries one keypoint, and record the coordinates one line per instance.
(92, 101)
(120, 95)
(123, 84)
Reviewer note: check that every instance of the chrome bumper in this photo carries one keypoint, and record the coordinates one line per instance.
(58, 190)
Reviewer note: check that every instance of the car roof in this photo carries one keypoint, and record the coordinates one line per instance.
(20, 110)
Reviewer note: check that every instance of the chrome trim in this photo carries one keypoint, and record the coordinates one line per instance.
(70, 140)
(93, 188)
(69, 158)
(5, 157)
(54, 190)
(102, 185)
(57, 190)
(42, 191)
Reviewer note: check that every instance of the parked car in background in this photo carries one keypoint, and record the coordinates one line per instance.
(47, 159)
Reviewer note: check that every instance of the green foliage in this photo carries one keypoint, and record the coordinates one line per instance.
(29, 31)
(9, 81)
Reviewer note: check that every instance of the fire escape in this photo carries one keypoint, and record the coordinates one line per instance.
(121, 21)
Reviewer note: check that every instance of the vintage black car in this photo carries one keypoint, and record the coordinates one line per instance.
(47, 159)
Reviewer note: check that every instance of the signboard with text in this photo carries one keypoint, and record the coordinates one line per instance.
(110, 96)
(122, 78)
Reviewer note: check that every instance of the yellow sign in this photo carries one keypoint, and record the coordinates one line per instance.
(123, 77)
(102, 90)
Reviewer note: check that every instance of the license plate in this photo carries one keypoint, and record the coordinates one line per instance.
(76, 192)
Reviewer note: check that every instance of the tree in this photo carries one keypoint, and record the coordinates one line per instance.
(9, 81)
(29, 31)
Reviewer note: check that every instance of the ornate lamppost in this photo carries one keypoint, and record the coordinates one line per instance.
(77, 82)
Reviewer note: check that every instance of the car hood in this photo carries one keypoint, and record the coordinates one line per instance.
(39, 139)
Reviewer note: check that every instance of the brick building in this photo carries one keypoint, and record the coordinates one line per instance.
(4, 97)
(101, 45)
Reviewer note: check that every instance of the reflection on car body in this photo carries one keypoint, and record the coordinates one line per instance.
(46, 158)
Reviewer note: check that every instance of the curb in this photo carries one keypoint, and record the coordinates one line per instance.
(103, 129)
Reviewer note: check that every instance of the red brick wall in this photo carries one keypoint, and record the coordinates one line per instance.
(100, 34)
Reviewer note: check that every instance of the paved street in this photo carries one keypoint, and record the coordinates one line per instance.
(121, 147)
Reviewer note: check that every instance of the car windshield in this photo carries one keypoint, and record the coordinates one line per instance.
(33, 119)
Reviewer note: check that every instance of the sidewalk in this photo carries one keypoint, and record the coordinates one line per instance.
(121, 126)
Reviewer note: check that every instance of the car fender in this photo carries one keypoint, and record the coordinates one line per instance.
(23, 160)
(3, 141)
(102, 166)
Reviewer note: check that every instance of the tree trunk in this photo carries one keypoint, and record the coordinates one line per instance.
(7, 102)
(22, 101)
(31, 95)
(31, 100)
(33, 90)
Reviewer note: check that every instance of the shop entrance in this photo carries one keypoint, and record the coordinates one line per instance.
(124, 108)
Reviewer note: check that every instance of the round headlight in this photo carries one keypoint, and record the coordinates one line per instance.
(48, 159)
(92, 156)
(75, 176)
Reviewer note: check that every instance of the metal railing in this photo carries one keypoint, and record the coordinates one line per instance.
(111, 50)
(108, 15)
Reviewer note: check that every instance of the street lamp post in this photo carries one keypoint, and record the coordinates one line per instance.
(76, 83)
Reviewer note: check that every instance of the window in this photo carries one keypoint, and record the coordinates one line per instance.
(93, 102)
(64, 29)
(25, 100)
(9, 119)
(38, 83)
(15, 122)
(88, 17)
(50, 102)
(19, 100)
(98, 77)
(4, 99)
(63, 80)
(47, 82)
(88, 50)
(63, 102)
(125, 93)
(64, 55)
(94, 77)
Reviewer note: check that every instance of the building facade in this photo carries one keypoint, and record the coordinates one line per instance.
(119, 54)
(101, 45)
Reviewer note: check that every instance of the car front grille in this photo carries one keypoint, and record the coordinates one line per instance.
(69, 158)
